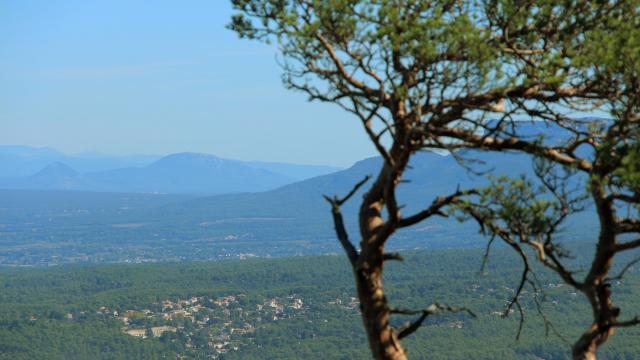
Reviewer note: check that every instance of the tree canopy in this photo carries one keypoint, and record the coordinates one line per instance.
(461, 75)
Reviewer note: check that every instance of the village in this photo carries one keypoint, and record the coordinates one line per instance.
(213, 325)
(217, 325)
(228, 323)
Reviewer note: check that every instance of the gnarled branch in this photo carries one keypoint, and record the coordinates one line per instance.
(435, 208)
(338, 221)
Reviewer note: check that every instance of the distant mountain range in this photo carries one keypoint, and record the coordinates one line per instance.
(21, 161)
(181, 173)
(300, 209)
(430, 175)
(286, 220)
(23, 167)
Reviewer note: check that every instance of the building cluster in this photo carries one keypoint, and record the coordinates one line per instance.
(351, 303)
(215, 325)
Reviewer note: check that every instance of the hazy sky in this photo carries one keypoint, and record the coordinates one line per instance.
(156, 77)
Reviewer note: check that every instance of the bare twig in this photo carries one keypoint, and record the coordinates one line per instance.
(624, 270)
(392, 256)
(633, 322)
(432, 309)
(628, 245)
(338, 221)
(435, 208)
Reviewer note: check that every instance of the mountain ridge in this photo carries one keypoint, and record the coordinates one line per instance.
(289, 220)
(179, 173)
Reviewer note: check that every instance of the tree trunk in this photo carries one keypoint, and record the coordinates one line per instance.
(374, 232)
(584, 354)
(585, 348)
(596, 289)
(375, 314)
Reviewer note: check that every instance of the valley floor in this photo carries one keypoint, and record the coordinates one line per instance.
(288, 308)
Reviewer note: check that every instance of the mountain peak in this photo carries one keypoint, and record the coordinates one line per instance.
(56, 175)
(57, 169)
(188, 158)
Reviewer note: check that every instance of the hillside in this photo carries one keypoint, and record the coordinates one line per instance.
(290, 220)
(188, 173)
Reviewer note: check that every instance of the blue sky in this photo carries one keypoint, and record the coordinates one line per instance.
(156, 77)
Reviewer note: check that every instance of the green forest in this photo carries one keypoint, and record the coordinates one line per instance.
(291, 308)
